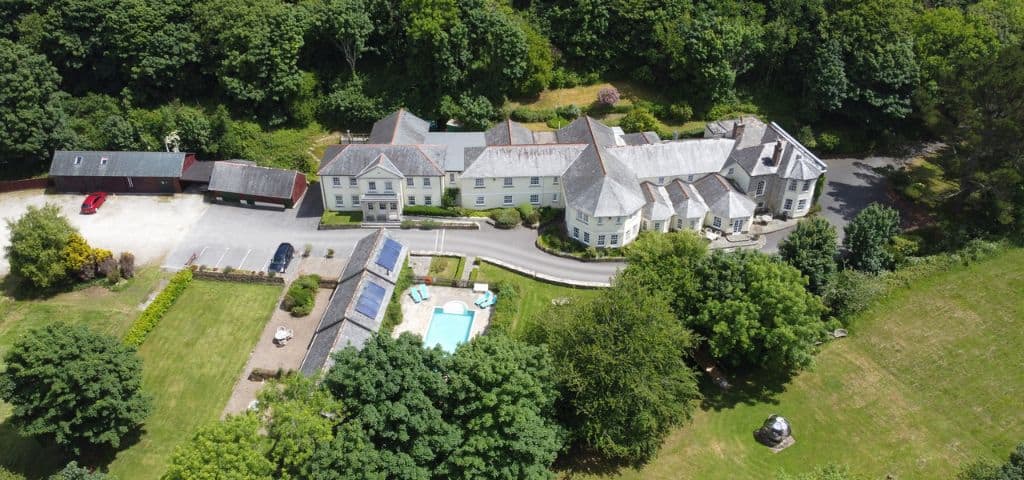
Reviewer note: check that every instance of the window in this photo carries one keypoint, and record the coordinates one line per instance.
(339, 200)
(760, 188)
(554, 180)
(383, 205)
(427, 200)
(508, 182)
(103, 161)
(388, 186)
(412, 200)
(717, 223)
(410, 182)
(730, 171)
(352, 182)
(643, 225)
(737, 225)
(534, 181)
(586, 238)
(788, 205)
(336, 181)
(657, 226)
(373, 186)
(600, 220)
(554, 197)
(355, 200)
(689, 178)
(394, 206)
(760, 204)
(426, 181)
(535, 199)
(600, 240)
(479, 201)
(679, 224)
(615, 239)
(78, 160)
(694, 224)
(582, 217)
(508, 200)
(806, 187)
(661, 180)
(369, 206)
(478, 183)
(802, 204)
(575, 233)
(618, 220)
(451, 177)
(792, 185)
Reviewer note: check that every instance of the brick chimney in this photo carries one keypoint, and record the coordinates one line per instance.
(777, 154)
(737, 129)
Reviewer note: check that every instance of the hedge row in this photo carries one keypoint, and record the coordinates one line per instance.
(155, 311)
(429, 211)
(301, 296)
(506, 309)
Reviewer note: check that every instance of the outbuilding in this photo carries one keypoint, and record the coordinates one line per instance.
(119, 172)
(240, 182)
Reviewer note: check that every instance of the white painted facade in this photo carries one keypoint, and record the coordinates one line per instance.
(488, 193)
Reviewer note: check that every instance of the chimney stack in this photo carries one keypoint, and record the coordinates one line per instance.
(777, 154)
(737, 129)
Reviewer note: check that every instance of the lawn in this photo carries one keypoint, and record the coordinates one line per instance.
(931, 378)
(190, 364)
(449, 268)
(102, 309)
(341, 218)
(535, 296)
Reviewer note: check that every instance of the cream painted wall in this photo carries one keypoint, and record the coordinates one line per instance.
(549, 192)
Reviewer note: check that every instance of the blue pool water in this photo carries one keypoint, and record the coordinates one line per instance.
(448, 329)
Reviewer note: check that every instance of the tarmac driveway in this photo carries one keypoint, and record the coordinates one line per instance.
(148, 226)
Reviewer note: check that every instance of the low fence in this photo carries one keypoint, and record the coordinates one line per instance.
(441, 282)
(236, 276)
(28, 184)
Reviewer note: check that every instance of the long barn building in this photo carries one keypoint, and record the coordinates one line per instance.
(119, 172)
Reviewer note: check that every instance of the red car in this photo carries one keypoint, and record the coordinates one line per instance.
(93, 202)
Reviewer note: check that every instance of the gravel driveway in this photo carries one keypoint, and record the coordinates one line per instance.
(148, 226)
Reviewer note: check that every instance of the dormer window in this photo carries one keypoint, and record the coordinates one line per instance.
(78, 160)
(103, 161)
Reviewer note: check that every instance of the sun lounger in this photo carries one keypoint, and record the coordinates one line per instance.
(490, 303)
(415, 294)
(423, 291)
(483, 298)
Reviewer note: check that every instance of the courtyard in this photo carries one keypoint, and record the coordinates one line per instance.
(417, 318)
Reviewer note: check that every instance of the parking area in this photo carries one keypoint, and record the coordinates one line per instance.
(148, 226)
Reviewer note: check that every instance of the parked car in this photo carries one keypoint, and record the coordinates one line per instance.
(93, 201)
(282, 257)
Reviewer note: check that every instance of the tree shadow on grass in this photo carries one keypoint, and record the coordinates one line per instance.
(748, 388)
(580, 461)
(28, 456)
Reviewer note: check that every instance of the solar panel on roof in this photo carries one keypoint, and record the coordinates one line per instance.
(370, 300)
(389, 253)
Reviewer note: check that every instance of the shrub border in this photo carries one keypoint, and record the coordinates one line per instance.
(151, 316)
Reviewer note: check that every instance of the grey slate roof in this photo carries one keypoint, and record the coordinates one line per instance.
(756, 160)
(686, 200)
(600, 185)
(410, 160)
(399, 128)
(671, 159)
(658, 207)
(252, 180)
(341, 324)
(118, 164)
(722, 199)
(508, 132)
(586, 130)
(456, 144)
(384, 163)
(641, 138)
(522, 161)
(797, 162)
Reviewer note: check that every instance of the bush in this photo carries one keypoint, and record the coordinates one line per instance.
(429, 211)
(155, 311)
(506, 310)
(680, 112)
(393, 315)
(506, 217)
(301, 295)
(450, 197)
(529, 214)
(306, 249)
(806, 137)
(127, 264)
(639, 120)
(724, 111)
(569, 111)
(608, 96)
(557, 122)
(430, 225)
(828, 142)
(529, 115)
(407, 224)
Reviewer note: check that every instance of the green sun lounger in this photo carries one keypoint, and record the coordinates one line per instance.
(415, 294)
(490, 303)
(423, 291)
(483, 298)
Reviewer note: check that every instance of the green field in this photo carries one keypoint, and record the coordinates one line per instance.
(447, 268)
(190, 361)
(535, 296)
(931, 378)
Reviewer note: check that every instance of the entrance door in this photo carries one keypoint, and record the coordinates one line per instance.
(737, 225)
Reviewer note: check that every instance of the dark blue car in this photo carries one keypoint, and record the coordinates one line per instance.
(282, 257)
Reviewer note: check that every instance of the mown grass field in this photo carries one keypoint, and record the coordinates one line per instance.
(190, 361)
(931, 378)
(535, 296)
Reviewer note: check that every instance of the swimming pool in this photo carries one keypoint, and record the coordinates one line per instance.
(448, 328)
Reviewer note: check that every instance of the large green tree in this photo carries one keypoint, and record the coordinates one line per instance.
(345, 24)
(868, 237)
(78, 388)
(503, 398)
(667, 264)
(812, 249)
(620, 361)
(753, 310)
(31, 106)
(300, 418)
(231, 449)
(36, 251)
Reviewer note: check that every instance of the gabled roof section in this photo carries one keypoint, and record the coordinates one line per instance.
(687, 202)
(672, 159)
(797, 162)
(658, 207)
(509, 132)
(410, 160)
(641, 138)
(117, 164)
(722, 198)
(399, 128)
(586, 130)
(600, 185)
(384, 163)
(252, 180)
(522, 161)
(456, 144)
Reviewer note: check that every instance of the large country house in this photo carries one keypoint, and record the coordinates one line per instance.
(612, 185)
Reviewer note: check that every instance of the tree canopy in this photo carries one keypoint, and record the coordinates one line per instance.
(868, 237)
(812, 249)
(31, 105)
(37, 249)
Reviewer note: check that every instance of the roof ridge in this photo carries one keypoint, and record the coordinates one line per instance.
(398, 121)
(432, 162)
